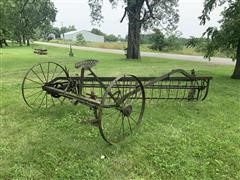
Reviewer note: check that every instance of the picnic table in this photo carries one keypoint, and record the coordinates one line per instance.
(40, 51)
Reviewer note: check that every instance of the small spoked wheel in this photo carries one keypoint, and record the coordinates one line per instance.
(121, 110)
(40, 74)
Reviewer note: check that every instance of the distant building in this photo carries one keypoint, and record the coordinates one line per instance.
(51, 36)
(88, 36)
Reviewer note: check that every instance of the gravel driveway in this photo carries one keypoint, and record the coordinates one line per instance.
(214, 60)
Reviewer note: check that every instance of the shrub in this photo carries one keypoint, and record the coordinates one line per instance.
(80, 39)
(157, 40)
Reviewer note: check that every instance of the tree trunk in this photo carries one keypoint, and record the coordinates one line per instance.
(28, 42)
(5, 42)
(20, 41)
(24, 39)
(134, 29)
(236, 73)
(133, 50)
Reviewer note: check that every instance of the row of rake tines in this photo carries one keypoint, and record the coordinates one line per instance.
(165, 89)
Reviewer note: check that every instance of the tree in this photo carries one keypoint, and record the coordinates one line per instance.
(6, 8)
(157, 40)
(21, 18)
(142, 14)
(200, 44)
(227, 37)
(97, 32)
(174, 42)
(111, 38)
(66, 29)
(56, 31)
(2, 39)
(44, 30)
(80, 39)
(108, 38)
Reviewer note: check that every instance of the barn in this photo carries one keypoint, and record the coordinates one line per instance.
(88, 36)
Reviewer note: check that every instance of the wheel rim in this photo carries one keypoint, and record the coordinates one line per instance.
(40, 74)
(120, 119)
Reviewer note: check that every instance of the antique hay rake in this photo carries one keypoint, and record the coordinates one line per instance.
(118, 103)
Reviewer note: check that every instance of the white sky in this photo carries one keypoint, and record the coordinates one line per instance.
(77, 13)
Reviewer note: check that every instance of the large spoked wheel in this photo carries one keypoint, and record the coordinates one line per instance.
(34, 80)
(121, 110)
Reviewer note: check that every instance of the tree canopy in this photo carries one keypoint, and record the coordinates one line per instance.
(158, 40)
(20, 18)
(142, 14)
(227, 36)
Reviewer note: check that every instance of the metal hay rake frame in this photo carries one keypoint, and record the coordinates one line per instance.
(118, 103)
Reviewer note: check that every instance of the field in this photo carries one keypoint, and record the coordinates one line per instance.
(177, 140)
(123, 45)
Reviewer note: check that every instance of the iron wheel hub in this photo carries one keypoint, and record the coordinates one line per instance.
(127, 110)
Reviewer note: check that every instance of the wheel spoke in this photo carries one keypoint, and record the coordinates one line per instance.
(37, 75)
(37, 97)
(32, 91)
(116, 123)
(33, 94)
(60, 73)
(48, 71)
(53, 101)
(122, 125)
(130, 98)
(32, 87)
(119, 90)
(129, 124)
(110, 114)
(61, 101)
(43, 72)
(42, 100)
(123, 86)
(133, 119)
(46, 100)
(54, 72)
(34, 81)
(116, 120)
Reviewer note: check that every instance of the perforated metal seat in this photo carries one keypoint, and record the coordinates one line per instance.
(86, 64)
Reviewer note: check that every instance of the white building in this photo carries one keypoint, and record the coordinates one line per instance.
(88, 36)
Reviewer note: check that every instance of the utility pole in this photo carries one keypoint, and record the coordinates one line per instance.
(62, 29)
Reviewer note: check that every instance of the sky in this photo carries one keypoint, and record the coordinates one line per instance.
(77, 13)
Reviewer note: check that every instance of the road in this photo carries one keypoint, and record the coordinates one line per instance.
(214, 60)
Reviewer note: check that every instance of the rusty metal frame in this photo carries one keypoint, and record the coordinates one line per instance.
(95, 92)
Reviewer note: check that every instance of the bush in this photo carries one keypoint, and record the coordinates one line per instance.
(200, 44)
(157, 40)
(80, 39)
(111, 38)
(174, 43)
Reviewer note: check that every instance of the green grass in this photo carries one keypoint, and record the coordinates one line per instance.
(144, 47)
(177, 140)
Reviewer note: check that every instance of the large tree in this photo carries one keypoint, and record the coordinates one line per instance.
(142, 14)
(227, 36)
(20, 18)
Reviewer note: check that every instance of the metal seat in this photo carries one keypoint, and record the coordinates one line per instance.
(86, 64)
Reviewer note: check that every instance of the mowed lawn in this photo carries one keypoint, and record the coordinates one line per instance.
(176, 140)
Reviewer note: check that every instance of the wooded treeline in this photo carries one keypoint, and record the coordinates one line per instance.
(20, 19)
